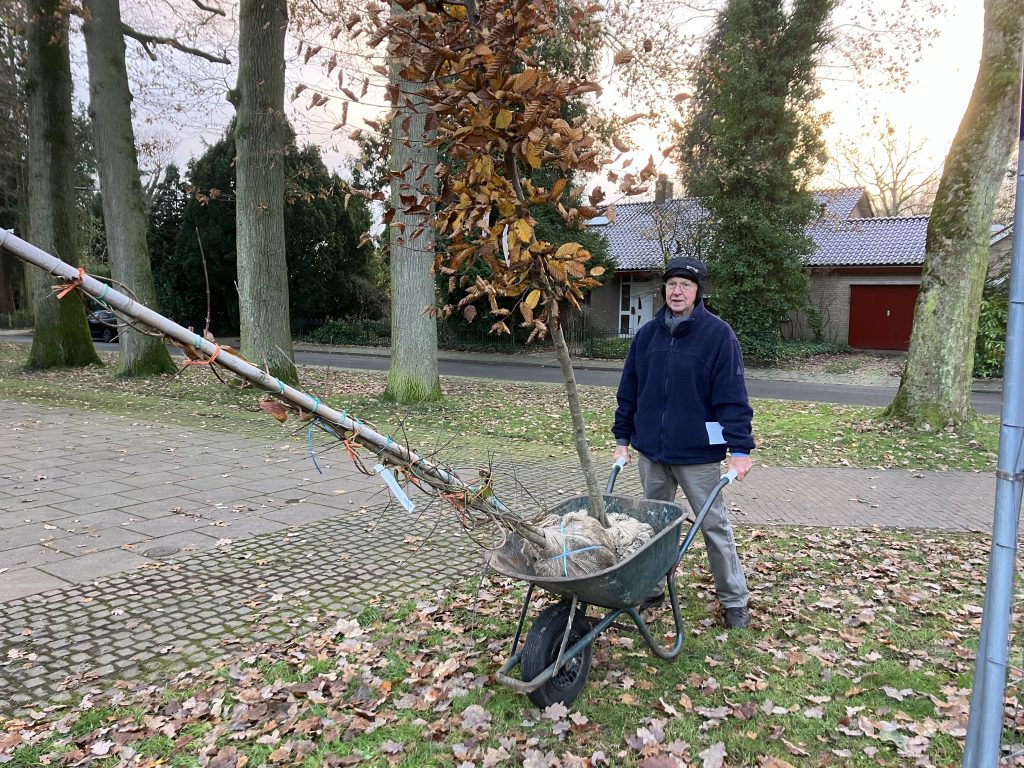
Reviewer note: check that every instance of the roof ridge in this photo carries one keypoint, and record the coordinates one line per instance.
(838, 189)
(696, 200)
(855, 220)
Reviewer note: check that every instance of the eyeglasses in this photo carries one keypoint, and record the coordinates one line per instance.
(682, 285)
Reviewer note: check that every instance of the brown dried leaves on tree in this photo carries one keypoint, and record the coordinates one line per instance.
(498, 117)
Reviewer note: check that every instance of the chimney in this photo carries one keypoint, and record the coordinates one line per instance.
(662, 189)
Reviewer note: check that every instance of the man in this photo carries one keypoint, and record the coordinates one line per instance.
(682, 403)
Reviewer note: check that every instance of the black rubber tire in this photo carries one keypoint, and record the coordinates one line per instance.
(109, 335)
(541, 649)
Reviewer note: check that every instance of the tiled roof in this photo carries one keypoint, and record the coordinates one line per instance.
(1000, 232)
(863, 242)
(644, 232)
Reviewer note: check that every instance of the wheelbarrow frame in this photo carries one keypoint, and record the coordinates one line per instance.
(567, 589)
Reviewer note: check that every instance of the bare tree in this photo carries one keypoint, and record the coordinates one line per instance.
(414, 373)
(680, 227)
(894, 170)
(13, 159)
(124, 214)
(261, 135)
(936, 384)
(61, 335)
(170, 62)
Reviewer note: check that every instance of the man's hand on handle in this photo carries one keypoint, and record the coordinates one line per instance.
(622, 452)
(741, 465)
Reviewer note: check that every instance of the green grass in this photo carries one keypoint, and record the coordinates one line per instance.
(479, 417)
(860, 653)
(161, 747)
(32, 755)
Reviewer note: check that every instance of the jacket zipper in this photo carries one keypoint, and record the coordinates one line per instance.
(664, 398)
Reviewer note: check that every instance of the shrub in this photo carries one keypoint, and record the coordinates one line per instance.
(607, 347)
(990, 343)
(21, 319)
(760, 348)
(364, 333)
(801, 350)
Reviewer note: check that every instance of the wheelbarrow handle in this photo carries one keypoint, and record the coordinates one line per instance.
(616, 468)
(698, 520)
(621, 462)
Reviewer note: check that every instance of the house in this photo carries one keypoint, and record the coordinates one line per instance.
(864, 272)
(1000, 253)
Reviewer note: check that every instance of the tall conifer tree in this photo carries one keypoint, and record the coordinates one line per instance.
(751, 146)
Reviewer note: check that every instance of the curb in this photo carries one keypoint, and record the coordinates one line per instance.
(548, 360)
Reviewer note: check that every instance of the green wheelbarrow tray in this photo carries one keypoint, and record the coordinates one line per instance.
(555, 656)
(626, 583)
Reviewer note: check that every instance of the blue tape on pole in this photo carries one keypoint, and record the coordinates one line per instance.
(309, 443)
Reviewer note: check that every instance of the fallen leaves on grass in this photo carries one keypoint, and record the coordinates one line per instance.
(413, 685)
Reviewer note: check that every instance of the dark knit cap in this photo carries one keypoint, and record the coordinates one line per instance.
(684, 266)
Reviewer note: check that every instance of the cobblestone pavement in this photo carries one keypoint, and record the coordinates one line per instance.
(133, 548)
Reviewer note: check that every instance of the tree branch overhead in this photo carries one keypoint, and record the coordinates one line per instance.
(148, 40)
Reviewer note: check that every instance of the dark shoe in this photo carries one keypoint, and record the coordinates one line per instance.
(737, 618)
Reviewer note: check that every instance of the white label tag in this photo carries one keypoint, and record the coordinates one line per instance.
(396, 489)
(714, 429)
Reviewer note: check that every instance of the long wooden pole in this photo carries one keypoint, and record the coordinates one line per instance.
(386, 449)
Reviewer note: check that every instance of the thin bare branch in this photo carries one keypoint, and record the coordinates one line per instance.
(208, 8)
(148, 40)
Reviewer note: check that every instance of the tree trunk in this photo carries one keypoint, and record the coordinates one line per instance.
(123, 205)
(61, 336)
(414, 375)
(7, 267)
(261, 135)
(579, 429)
(935, 388)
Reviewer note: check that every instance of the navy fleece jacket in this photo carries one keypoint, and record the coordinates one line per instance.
(682, 398)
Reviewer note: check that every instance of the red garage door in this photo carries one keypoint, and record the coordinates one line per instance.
(881, 316)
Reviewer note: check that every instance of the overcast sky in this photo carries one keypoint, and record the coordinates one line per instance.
(929, 110)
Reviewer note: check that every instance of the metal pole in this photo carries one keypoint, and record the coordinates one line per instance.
(985, 724)
(380, 444)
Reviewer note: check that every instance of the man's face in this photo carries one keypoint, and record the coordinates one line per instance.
(680, 294)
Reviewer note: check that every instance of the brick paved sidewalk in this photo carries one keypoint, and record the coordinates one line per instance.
(129, 547)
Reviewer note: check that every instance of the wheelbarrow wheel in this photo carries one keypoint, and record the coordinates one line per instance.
(541, 650)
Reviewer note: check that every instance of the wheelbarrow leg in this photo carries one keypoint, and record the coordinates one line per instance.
(522, 619)
(660, 651)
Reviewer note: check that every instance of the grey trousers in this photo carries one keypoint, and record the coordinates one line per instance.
(660, 482)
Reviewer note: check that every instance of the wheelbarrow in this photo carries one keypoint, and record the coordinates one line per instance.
(554, 659)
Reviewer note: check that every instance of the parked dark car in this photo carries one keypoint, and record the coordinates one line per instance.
(103, 325)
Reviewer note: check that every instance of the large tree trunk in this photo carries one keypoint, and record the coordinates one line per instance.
(7, 267)
(12, 144)
(261, 135)
(414, 375)
(935, 388)
(61, 335)
(123, 204)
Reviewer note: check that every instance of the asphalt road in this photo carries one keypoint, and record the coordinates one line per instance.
(984, 402)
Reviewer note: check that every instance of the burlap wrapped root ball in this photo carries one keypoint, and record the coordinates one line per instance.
(577, 545)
